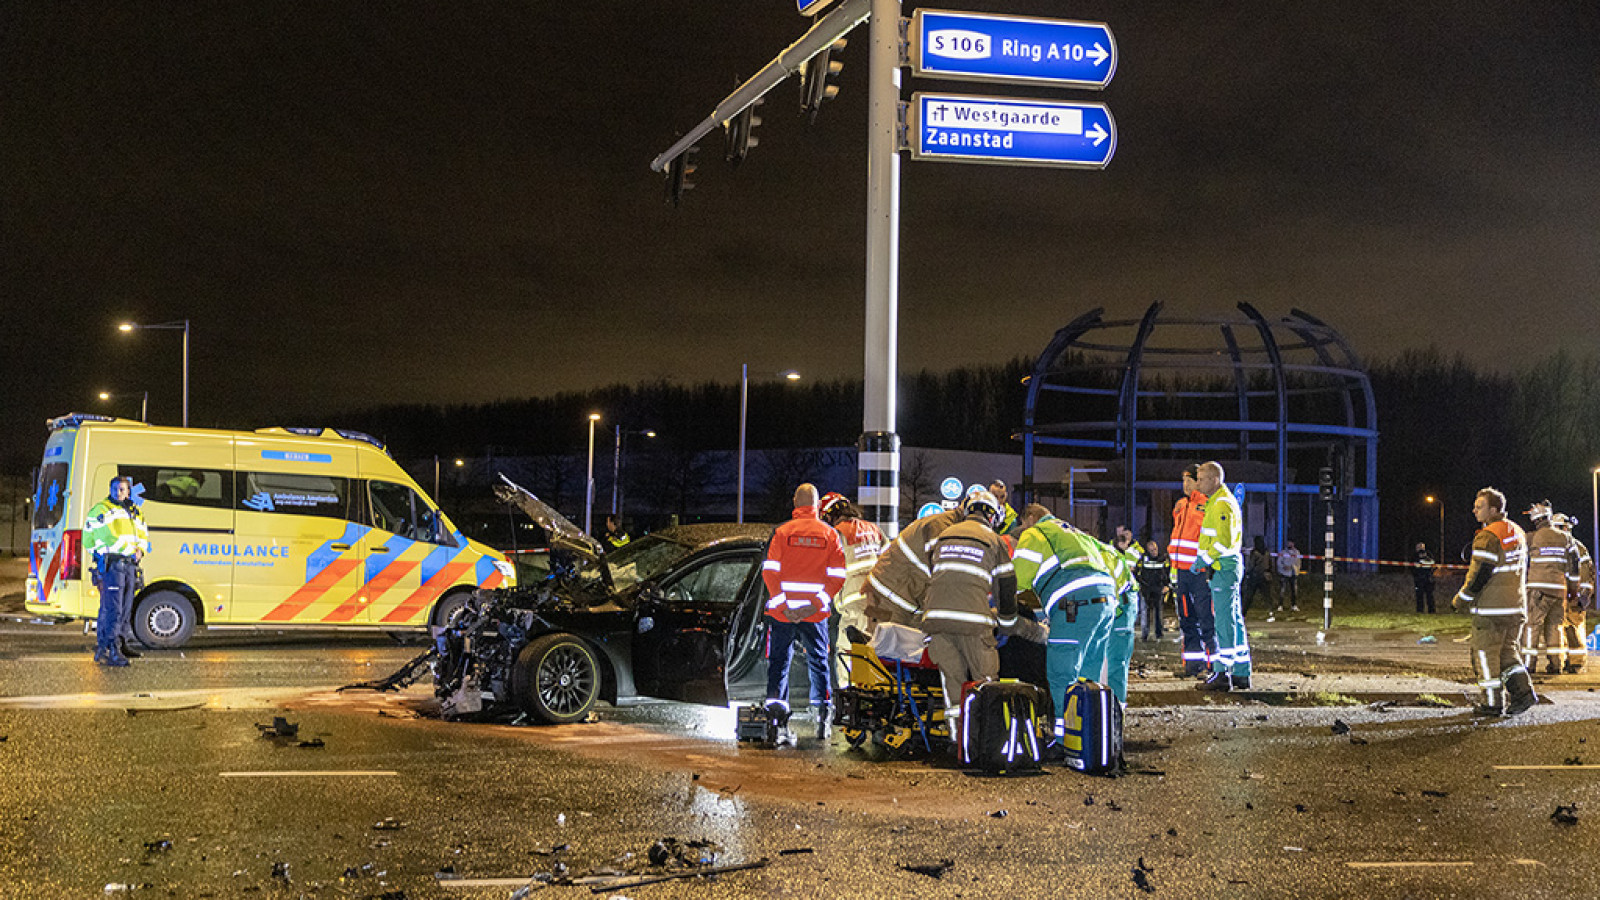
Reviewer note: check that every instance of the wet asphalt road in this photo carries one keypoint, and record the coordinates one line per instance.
(1230, 801)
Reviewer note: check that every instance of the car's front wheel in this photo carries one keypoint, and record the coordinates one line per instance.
(556, 679)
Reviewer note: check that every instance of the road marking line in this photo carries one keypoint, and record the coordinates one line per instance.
(328, 773)
(1531, 768)
(1401, 864)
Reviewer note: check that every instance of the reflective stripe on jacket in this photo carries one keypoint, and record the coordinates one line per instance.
(970, 564)
(900, 576)
(1059, 563)
(862, 543)
(1221, 531)
(1552, 562)
(1495, 582)
(114, 528)
(804, 569)
(1185, 543)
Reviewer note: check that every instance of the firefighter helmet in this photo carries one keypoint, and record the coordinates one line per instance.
(1539, 512)
(835, 506)
(982, 505)
(1563, 521)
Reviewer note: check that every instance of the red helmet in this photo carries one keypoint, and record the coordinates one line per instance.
(832, 507)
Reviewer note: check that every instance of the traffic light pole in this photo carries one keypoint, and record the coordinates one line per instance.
(878, 466)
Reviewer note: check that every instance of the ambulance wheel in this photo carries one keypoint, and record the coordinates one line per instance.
(164, 620)
(447, 606)
(556, 679)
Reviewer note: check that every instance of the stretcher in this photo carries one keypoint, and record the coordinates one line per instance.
(896, 706)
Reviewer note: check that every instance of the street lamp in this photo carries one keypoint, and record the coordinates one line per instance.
(616, 466)
(744, 415)
(129, 327)
(588, 485)
(144, 404)
(1439, 500)
(1594, 509)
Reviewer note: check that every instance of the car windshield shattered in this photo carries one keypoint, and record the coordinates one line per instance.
(638, 561)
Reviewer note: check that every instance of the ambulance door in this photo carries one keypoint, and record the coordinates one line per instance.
(295, 527)
(408, 555)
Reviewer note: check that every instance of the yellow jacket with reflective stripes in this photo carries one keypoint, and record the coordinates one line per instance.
(113, 528)
(1221, 531)
(1060, 563)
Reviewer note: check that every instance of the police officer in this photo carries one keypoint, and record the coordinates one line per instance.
(1220, 559)
(1009, 523)
(116, 538)
(1494, 591)
(615, 537)
(1422, 577)
(1067, 572)
(1552, 570)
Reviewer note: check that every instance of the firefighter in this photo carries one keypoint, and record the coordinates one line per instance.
(1112, 650)
(1552, 569)
(804, 571)
(1070, 579)
(899, 579)
(1494, 590)
(116, 539)
(862, 541)
(1579, 601)
(1193, 593)
(968, 564)
(1220, 558)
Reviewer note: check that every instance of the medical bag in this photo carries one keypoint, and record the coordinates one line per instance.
(1092, 718)
(999, 726)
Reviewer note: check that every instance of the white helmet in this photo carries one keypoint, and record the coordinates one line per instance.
(983, 506)
(1539, 512)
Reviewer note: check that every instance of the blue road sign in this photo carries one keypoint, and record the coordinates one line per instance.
(1005, 131)
(976, 47)
(807, 7)
(933, 509)
(950, 488)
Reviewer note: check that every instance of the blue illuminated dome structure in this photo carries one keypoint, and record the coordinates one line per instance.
(1273, 401)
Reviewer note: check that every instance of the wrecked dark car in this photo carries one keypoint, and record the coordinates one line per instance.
(674, 615)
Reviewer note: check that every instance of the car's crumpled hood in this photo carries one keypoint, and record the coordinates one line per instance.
(563, 534)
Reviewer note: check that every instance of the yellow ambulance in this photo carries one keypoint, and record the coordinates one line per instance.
(271, 529)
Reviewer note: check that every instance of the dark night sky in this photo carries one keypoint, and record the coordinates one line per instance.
(363, 202)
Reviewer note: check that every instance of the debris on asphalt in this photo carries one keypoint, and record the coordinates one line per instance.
(1357, 740)
(1565, 815)
(1431, 793)
(1141, 877)
(388, 823)
(1572, 761)
(313, 744)
(1381, 706)
(1339, 727)
(280, 872)
(998, 814)
(160, 846)
(1428, 639)
(671, 852)
(932, 870)
(280, 728)
(795, 851)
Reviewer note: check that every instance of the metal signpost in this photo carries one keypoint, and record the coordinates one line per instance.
(1013, 49)
(1011, 132)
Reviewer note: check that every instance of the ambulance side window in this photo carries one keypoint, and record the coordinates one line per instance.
(181, 486)
(295, 495)
(50, 495)
(398, 510)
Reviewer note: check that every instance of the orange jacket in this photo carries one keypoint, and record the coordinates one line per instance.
(1187, 515)
(804, 569)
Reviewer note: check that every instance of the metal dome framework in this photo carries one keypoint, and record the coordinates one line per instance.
(1290, 393)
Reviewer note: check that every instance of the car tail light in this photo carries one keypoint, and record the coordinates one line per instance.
(71, 555)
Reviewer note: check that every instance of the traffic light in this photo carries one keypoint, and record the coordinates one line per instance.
(816, 79)
(678, 172)
(741, 133)
(1328, 484)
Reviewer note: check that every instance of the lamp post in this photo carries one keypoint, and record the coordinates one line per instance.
(144, 403)
(128, 327)
(1439, 500)
(616, 466)
(1594, 509)
(588, 484)
(744, 415)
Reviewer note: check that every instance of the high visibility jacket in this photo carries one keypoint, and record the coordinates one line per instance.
(901, 573)
(969, 564)
(1585, 588)
(1009, 524)
(1187, 515)
(1122, 572)
(804, 568)
(1060, 563)
(114, 528)
(1152, 573)
(1552, 562)
(862, 543)
(1221, 532)
(1496, 578)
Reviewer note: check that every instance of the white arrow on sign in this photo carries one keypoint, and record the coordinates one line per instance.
(1099, 134)
(1100, 54)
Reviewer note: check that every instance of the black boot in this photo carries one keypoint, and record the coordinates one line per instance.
(1221, 682)
(1519, 693)
(127, 650)
(1551, 667)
